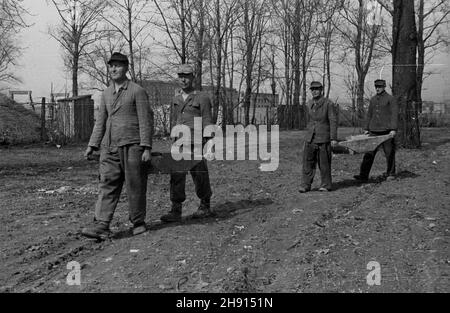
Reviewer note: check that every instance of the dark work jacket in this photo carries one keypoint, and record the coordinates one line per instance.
(198, 104)
(382, 114)
(322, 121)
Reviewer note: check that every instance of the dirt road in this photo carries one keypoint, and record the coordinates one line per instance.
(266, 236)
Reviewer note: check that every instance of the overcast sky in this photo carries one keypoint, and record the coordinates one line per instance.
(41, 64)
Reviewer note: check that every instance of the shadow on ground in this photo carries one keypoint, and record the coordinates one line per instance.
(221, 211)
(349, 183)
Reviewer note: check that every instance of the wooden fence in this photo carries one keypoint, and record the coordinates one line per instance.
(71, 119)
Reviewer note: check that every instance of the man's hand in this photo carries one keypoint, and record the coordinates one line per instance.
(393, 133)
(88, 152)
(208, 144)
(209, 156)
(147, 155)
(334, 143)
(366, 132)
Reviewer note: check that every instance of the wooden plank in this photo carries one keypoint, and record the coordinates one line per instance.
(364, 143)
(163, 163)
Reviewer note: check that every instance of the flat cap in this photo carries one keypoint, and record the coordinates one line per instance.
(380, 82)
(185, 69)
(315, 84)
(118, 57)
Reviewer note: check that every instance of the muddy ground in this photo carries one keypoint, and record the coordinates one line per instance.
(266, 236)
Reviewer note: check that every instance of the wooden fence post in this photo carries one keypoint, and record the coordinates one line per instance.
(43, 119)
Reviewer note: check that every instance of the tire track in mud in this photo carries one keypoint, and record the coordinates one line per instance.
(45, 263)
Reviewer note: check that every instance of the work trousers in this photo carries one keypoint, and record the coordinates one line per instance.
(389, 152)
(118, 166)
(200, 176)
(317, 154)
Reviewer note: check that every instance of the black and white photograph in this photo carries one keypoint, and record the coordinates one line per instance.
(224, 152)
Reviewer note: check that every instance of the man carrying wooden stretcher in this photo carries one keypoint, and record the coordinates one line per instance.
(188, 104)
(382, 119)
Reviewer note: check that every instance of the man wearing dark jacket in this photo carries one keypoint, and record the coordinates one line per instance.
(382, 119)
(320, 135)
(124, 130)
(188, 104)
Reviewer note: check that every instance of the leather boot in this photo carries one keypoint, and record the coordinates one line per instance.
(204, 210)
(174, 214)
(99, 231)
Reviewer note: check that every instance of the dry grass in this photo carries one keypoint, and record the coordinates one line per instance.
(18, 125)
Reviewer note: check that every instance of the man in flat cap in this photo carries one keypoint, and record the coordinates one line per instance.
(188, 104)
(123, 131)
(320, 135)
(382, 119)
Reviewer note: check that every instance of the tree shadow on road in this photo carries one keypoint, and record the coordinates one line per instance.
(222, 211)
(350, 183)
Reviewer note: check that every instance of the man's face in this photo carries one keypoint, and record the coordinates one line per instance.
(118, 70)
(316, 92)
(380, 89)
(185, 80)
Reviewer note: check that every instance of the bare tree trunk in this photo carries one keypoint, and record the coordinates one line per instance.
(231, 82)
(287, 63)
(273, 86)
(199, 45)
(219, 47)
(130, 44)
(183, 33)
(358, 62)
(258, 82)
(420, 54)
(248, 62)
(296, 38)
(360, 112)
(75, 61)
(327, 58)
(328, 69)
(405, 73)
(75, 77)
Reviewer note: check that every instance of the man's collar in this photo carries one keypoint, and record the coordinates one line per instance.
(123, 86)
(181, 92)
(318, 100)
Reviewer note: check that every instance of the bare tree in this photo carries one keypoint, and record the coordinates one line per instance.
(77, 32)
(432, 20)
(197, 23)
(431, 16)
(174, 23)
(9, 53)
(96, 62)
(187, 26)
(253, 25)
(305, 41)
(298, 20)
(12, 21)
(328, 12)
(360, 35)
(222, 18)
(131, 19)
(281, 20)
